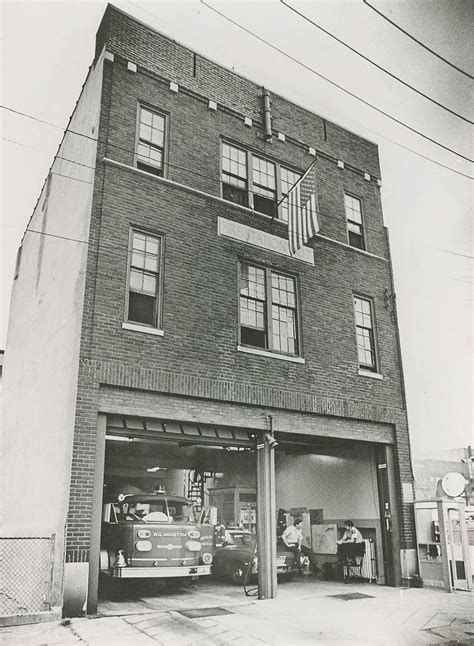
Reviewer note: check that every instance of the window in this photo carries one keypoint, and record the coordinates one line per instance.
(144, 282)
(259, 189)
(365, 334)
(288, 180)
(151, 141)
(234, 174)
(268, 316)
(264, 186)
(355, 229)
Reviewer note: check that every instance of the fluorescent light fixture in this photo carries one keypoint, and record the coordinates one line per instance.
(118, 438)
(154, 469)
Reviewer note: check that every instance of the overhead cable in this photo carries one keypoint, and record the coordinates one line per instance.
(369, 60)
(340, 87)
(442, 58)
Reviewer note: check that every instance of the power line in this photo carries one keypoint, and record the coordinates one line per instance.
(340, 87)
(417, 41)
(132, 150)
(108, 246)
(392, 141)
(454, 253)
(81, 134)
(20, 143)
(320, 213)
(383, 69)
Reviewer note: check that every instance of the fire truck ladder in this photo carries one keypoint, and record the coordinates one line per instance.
(195, 486)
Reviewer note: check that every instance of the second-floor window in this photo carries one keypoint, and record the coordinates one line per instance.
(365, 333)
(255, 182)
(144, 280)
(268, 310)
(355, 228)
(151, 141)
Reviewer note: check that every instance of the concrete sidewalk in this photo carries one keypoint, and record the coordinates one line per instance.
(306, 611)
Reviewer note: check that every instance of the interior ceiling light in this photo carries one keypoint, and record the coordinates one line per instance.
(118, 438)
(153, 469)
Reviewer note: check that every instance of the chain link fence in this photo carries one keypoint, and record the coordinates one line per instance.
(26, 568)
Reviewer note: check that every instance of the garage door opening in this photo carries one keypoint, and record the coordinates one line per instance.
(326, 481)
(173, 495)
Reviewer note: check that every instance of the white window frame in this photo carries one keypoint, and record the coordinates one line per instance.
(158, 304)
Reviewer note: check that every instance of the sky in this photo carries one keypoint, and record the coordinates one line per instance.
(47, 48)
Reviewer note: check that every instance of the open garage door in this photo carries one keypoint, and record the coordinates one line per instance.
(326, 481)
(173, 492)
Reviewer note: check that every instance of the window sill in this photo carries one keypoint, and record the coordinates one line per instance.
(272, 355)
(367, 373)
(136, 327)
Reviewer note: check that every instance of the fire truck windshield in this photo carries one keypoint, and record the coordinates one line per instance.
(159, 511)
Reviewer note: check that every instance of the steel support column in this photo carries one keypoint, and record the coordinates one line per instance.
(266, 519)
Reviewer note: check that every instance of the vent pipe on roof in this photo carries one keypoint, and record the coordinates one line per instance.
(267, 115)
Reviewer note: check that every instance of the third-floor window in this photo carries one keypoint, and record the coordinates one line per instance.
(355, 227)
(150, 141)
(255, 182)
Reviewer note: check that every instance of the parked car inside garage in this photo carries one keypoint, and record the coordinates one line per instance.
(238, 555)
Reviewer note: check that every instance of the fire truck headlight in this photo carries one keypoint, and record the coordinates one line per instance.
(143, 533)
(194, 533)
(206, 558)
(193, 546)
(143, 546)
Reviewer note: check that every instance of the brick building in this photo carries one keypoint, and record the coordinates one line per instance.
(163, 304)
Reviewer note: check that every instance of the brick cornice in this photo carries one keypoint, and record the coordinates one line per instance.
(120, 375)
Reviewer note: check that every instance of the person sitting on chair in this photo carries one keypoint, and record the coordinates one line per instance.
(352, 542)
(292, 537)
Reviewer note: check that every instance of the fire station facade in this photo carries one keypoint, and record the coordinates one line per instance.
(166, 298)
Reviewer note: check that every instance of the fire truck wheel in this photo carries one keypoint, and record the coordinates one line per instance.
(237, 573)
(106, 559)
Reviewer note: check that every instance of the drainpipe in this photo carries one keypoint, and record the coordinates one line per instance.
(267, 115)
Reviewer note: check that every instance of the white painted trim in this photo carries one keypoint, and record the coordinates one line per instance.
(368, 373)
(348, 246)
(170, 182)
(136, 327)
(272, 355)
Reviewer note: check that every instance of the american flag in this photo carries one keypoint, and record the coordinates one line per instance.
(303, 221)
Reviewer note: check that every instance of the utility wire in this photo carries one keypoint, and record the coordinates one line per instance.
(392, 141)
(383, 69)
(132, 150)
(417, 41)
(340, 87)
(454, 253)
(81, 134)
(107, 246)
(213, 178)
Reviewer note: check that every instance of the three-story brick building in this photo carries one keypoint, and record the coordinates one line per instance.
(162, 304)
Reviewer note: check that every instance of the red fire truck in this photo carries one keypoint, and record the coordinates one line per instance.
(155, 536)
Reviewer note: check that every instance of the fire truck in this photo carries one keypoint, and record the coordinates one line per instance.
(155, 535)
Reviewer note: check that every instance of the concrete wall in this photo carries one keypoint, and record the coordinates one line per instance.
(344, 485)
(42, 353)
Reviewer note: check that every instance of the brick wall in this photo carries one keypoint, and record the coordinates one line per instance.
(197, 356)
